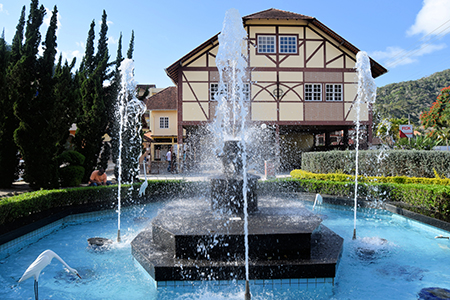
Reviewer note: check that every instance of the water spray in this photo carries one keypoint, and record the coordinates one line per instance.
(367, 92)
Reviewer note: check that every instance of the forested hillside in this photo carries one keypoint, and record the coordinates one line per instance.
(397, 100)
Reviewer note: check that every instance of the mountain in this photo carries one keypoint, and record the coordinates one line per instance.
(397, 100)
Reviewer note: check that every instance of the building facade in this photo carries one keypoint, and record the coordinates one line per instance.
(161, 119)
(302, 82)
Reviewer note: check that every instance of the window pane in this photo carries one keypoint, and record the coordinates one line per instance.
(163, 122)
(214, 88)
(313, 92)
(333, 92)
(266, 44)
(288, 44)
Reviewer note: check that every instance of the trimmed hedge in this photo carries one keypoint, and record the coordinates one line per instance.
(411, 163)
(435, 199)
(26, 204)
(301, 174)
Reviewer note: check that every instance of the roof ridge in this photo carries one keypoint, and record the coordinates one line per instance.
(276, 11)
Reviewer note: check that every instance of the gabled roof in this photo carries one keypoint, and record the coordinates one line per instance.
(166, 99)
(274, 14)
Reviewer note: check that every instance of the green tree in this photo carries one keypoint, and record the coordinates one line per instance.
(93, 121)
(437, 118)
(16, 48)
(388, 130)
(8, 122)
(131, 46)
(113, 129)
(66, 95)
(9, 56)
(25, 90)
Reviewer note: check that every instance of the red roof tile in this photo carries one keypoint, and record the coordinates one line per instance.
(165, 99)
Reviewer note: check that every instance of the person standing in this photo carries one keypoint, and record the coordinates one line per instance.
(169, 160)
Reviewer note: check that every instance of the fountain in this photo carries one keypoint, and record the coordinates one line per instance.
(237, 235)
(235, 238)
(129, 112)
(367, 92)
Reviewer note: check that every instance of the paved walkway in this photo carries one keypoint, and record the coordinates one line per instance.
(22, 187)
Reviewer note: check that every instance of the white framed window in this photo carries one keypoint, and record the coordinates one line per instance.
(313, 92)
(333, 92)
(288, 44)
(163, 122)
(266, 44)
(246, 91)
(214, 90)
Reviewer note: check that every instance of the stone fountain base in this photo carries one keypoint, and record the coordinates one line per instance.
(200, 244)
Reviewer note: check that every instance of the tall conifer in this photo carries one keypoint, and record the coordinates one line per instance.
(113, 128)
(16, 48)
(131, 46)
(25, 89)
(93, 122)
(9, 159)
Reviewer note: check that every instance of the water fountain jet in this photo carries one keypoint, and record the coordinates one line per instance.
(367, 92)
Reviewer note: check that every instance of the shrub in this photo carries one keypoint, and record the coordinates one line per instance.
(411, 163)
(47, 202)
(71, 175)
(72, 171)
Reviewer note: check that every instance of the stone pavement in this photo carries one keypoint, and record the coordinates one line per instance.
(23, 187)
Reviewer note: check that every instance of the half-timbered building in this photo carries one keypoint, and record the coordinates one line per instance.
(303, 81)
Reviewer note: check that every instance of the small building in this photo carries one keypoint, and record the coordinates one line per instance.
(161, 119)
(302, 84)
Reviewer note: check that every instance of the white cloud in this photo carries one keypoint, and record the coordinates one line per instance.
(80, 44)
(2, 10)
(396, 56)
(112, 40)
(48, 17)
(70, 55)
(109, 23)
(433, 18)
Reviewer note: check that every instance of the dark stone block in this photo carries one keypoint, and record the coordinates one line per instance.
(199, 244)
(227, 194)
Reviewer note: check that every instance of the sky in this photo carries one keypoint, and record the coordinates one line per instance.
(408, 37)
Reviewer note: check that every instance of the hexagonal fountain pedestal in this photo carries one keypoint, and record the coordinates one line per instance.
(200, 244)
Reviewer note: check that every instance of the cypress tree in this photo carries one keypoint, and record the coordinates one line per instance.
(9, 156)
(87, 64)
(16, 48)
(131, 46)
(113, 128)
(93, 122)
(66, 95)
(25, 90)
(132, 133)
(9, 159)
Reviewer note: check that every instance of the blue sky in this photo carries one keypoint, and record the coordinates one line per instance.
(408, 37)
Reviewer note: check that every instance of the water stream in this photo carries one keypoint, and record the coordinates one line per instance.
(128, 114)
(367, 92)
(232, 113)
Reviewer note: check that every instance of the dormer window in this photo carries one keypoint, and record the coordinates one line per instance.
(163, 122)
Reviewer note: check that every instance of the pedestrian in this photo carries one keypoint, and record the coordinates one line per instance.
(169, 159)
(149, 162)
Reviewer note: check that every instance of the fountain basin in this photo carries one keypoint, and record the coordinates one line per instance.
(199, 244)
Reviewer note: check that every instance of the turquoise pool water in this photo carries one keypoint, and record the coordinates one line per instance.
(392, 258)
